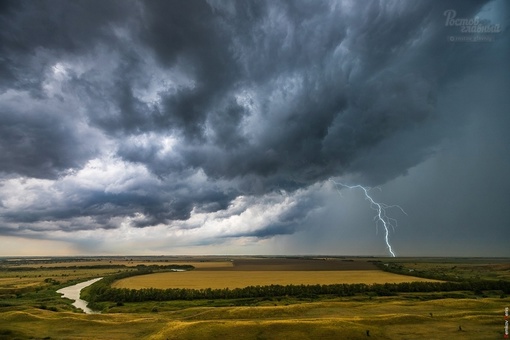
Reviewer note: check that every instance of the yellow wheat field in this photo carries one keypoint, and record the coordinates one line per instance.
(240, 279)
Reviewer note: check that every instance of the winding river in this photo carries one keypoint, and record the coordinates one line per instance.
(73, 293)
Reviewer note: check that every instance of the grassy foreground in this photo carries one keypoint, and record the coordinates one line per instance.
(384, 318)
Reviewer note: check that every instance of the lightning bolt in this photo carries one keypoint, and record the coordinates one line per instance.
(380, 208)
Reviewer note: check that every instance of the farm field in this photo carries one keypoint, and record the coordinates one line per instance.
(110, 262)
(243, 272)
(14, 281)
(299, 264)
(240, 279)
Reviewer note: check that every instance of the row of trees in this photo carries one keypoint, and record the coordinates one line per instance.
(102, 291)
(397, 268)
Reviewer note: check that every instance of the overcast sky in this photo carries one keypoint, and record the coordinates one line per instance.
(218, 127)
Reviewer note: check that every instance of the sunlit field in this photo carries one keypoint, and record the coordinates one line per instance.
(240, 279)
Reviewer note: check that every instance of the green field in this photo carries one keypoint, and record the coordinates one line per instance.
(33, 310)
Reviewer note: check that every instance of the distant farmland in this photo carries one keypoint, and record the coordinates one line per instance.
(262, 271)
(240, 279)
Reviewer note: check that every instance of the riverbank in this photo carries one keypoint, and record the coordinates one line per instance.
(73, 293)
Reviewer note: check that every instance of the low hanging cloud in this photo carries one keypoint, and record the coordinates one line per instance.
(176, 113)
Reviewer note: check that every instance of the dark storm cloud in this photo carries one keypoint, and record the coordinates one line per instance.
(54, 27)
(270, 231)
(38, 135)
(254, 96)
(319, 109)
(40, 139)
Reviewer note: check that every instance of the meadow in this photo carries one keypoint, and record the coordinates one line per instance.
(30, 308)
(388, 318)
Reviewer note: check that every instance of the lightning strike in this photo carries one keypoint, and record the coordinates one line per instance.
(380, 208)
